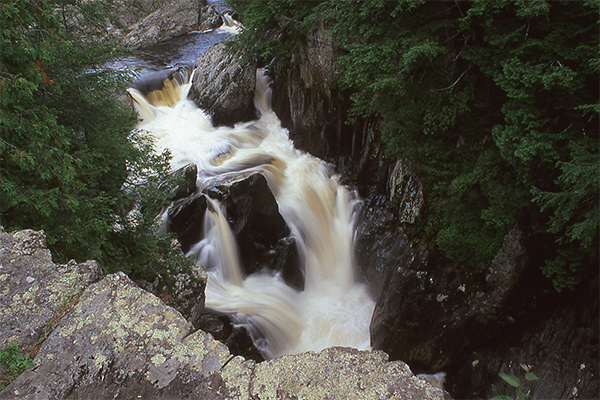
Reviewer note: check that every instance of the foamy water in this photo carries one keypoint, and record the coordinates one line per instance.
(333, 309)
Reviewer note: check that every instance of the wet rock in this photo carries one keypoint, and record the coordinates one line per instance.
(171, 20)
(223, 87)
(32, 288)
(256, 222)
(188, 187)
(236, 337)
(262, 236)
(376, 233)
(186, 218)
(208, 17)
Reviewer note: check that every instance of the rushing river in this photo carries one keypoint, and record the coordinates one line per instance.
(333, 309)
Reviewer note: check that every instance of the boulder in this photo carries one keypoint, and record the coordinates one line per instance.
(120, 341)
(186, 218)
(223, 87)
(188, 187)
(171, 20)
(33, 289)
(262, 236)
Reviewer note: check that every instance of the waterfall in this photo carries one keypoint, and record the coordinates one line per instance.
(333, 309)
(230, 24)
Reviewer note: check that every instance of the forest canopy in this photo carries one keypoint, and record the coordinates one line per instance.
(495, 102)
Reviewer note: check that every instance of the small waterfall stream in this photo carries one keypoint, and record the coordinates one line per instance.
(333, 309)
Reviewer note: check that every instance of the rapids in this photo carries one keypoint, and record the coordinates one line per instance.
(333, 309)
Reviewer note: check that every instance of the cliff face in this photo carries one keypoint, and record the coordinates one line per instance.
(429, 311)
(120, 341)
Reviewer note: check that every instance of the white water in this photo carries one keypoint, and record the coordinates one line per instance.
(333, 309)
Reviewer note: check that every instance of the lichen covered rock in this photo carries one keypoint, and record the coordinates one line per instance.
(32, 288)
(121, 342)
(118, 338)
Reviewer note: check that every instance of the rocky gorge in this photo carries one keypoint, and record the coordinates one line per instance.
(121, 341)
(429, 311)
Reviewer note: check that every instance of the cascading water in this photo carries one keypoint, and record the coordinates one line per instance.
(333, 309)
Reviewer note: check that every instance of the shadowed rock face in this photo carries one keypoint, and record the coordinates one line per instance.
(121, 342)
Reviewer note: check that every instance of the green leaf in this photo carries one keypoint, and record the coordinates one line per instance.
(511, 379)
(521, 395)
(501, 397)
(530, 376)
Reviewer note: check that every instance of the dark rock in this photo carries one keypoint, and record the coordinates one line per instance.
(235, 336)
(429, 314)
(223, 87)
(186, 218)
(303, 100)
(188, 187)
(261, 232)
(262, 236)
(406, 192)
(559, 344)
(315, 114)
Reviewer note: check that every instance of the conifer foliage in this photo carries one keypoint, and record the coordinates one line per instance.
(496, 102)
(67, 163)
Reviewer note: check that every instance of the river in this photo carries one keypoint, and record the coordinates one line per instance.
(334, 309)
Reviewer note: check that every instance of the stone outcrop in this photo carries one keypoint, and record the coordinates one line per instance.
(223, 87)
(121, 342)
(406, 193)
(173, 19)
(415, 288)
(262, 235)
(32, 288)
(303, 100)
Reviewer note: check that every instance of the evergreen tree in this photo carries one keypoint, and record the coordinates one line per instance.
(496, 103)
(66, 150)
